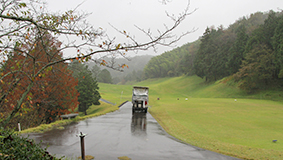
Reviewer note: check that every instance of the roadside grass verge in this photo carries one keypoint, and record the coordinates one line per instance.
(210, 118)
(93, 111)
(243, 129)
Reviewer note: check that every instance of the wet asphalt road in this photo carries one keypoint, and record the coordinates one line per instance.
(119, 134)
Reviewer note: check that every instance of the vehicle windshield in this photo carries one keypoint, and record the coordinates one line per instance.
(140, 92)
(140, 96)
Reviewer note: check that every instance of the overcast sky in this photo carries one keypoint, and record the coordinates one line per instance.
(124, 14)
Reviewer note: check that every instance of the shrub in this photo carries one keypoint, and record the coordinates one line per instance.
(15, 147)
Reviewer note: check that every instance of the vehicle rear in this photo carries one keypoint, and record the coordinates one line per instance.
(140, 99)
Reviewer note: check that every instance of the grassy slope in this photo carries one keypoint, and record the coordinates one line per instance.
(116, 94)
(211, 118)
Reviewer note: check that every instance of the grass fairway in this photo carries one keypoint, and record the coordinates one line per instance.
(116, 94)
(210, 118)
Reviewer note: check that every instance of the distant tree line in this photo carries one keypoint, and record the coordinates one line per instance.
(177, 62)
(132, 72)
(251, 50)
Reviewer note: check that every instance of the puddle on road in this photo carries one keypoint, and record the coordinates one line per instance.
(56, 136)
(138, 125)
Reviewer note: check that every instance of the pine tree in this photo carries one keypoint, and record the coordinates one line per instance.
(88, 89)
(104, 76)
(277, 43)
(237, 51)
(200, 63)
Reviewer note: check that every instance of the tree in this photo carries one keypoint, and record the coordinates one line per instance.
(53, 91)
(164, 65)
(26, 24)
(207, 54)
(199, 63)
(257, 69)
(104, 76)
(262, 64)
(269, 27)
(237, 51)
(88, 89)
(95, 70)
(186, 63)
(277, 45)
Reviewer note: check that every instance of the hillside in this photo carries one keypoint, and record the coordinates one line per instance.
(216, 116)
(190, 87)
(250, 50)
(195, 87)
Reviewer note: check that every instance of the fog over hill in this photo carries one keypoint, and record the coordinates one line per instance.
(136, 64)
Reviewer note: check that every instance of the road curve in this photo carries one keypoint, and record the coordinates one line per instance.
(120, 134)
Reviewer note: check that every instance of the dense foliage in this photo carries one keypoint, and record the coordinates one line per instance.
(53, 92)
(15, 147)
(174, 63)
(250, 49)
(104, 76)
(263, 59)
(87, 86)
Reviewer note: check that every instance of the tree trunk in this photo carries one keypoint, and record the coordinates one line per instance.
(85, 109)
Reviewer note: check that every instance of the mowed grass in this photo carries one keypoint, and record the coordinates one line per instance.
(116, 94)
(207, 115)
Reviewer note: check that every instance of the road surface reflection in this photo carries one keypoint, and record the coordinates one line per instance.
(138, 125)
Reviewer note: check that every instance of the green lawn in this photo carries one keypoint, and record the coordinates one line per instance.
(210, 118)
(116, 94)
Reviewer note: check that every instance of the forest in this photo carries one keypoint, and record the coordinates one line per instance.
(249, 52)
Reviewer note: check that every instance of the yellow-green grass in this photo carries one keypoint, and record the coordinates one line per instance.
(210, 118)
(116, 94)
(93, 111)
(243, 129)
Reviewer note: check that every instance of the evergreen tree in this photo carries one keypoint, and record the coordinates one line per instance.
(209, 56)
(277, 44)
(262, 64)
(95, 71)
(186, 63)
(88, 89)
(268, 28)
(104, 76)
(76, 67)
(199, 63)
(237, 51)
(257, 69)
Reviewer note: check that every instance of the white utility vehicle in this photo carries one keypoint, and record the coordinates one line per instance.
(140, 99)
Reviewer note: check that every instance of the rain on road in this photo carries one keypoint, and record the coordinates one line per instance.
(120, 134)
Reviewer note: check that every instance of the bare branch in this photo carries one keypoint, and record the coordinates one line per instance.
(24, 27)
